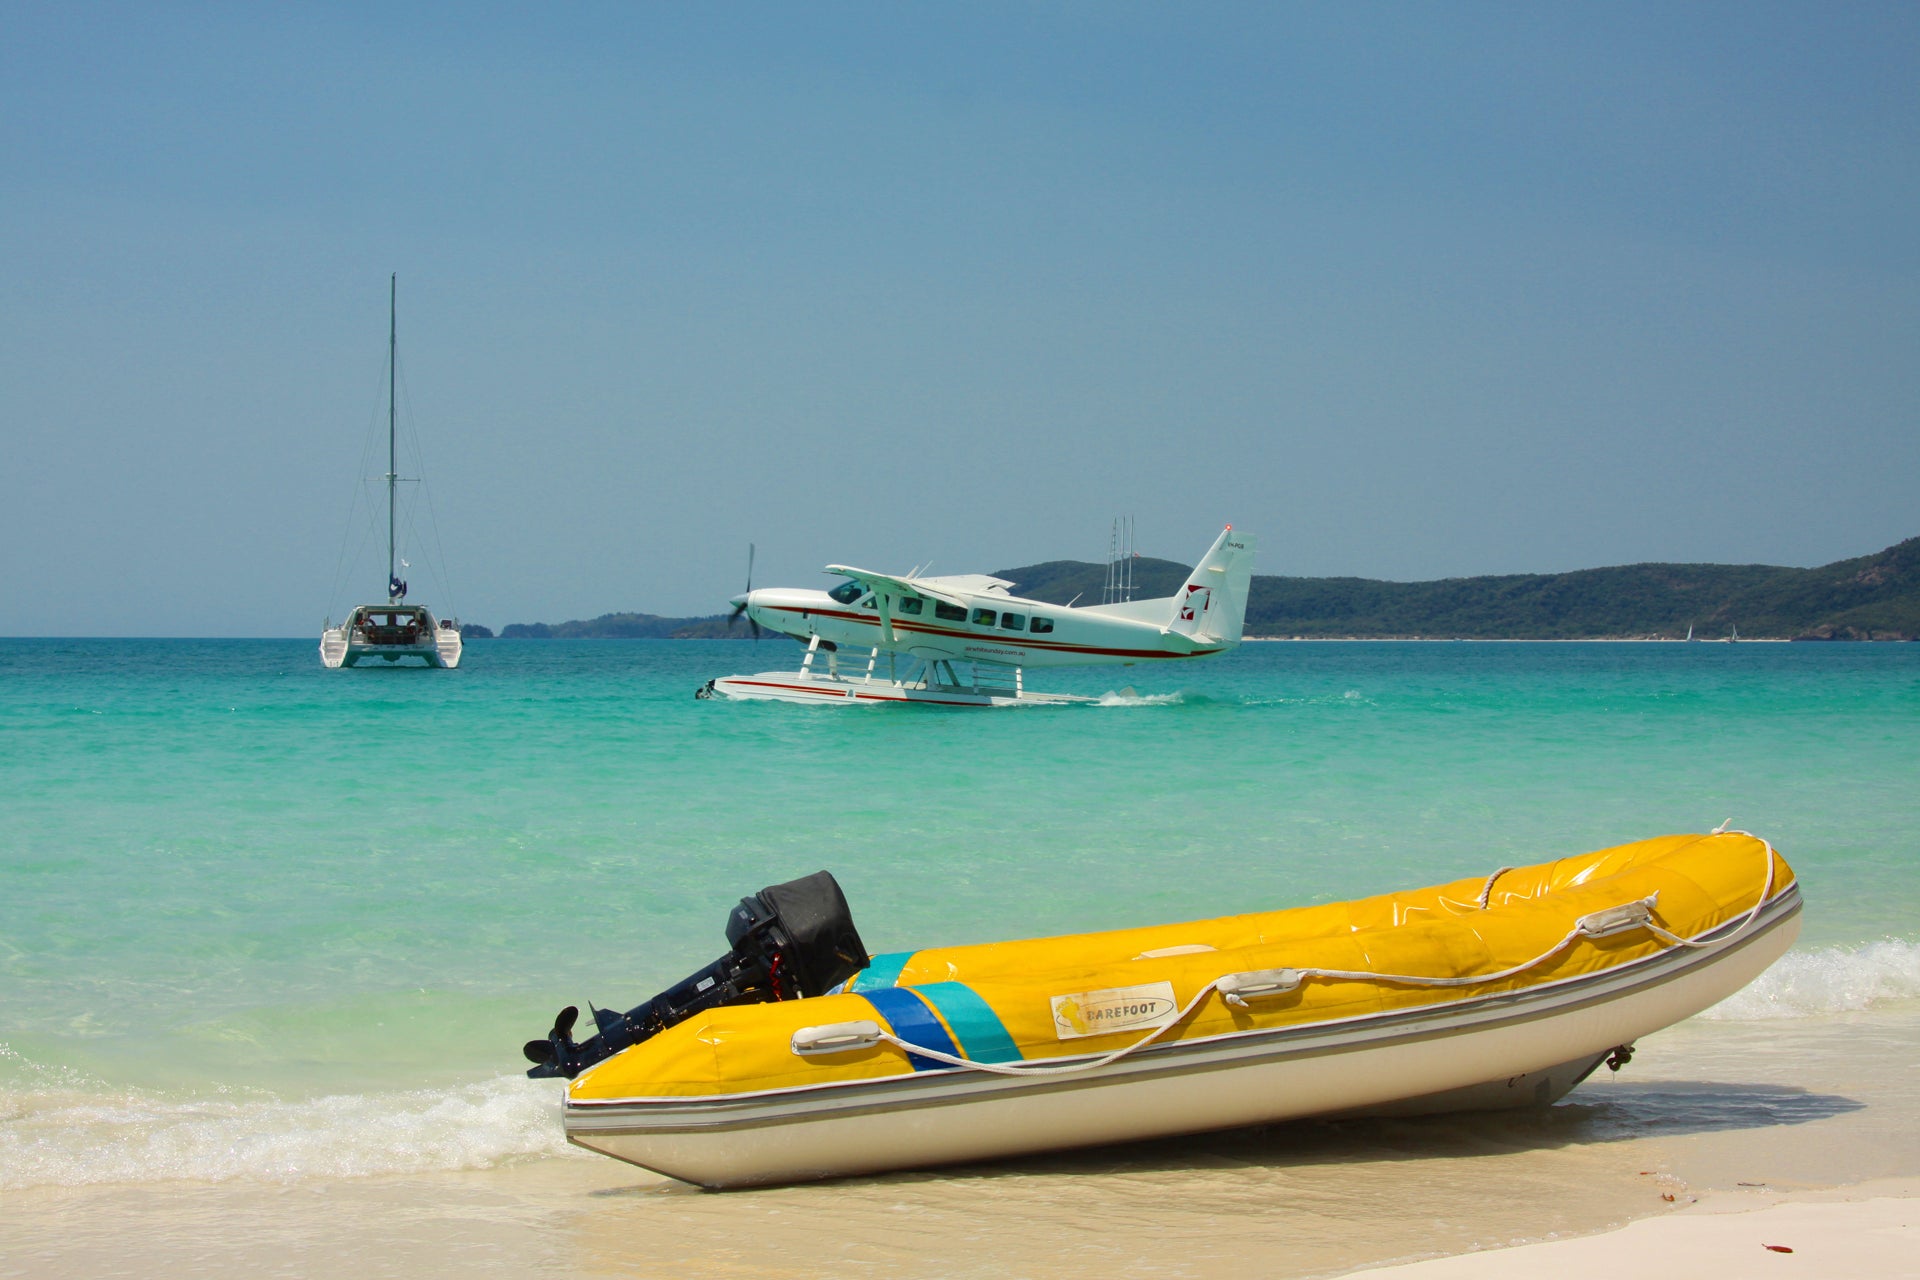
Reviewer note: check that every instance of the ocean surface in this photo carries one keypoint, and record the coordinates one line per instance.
(262, 921)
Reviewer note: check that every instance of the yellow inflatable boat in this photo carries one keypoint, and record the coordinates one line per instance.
(797, 1056)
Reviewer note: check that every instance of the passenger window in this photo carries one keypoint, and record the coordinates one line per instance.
(909, 604)
(1042, 625)
(1012, 622)
(949, 612)
(983, 617)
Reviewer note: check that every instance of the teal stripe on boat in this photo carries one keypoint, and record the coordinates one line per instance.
(983, 1037)
(884, 971)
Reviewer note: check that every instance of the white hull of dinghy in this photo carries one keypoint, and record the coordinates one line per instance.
(1525, 1047)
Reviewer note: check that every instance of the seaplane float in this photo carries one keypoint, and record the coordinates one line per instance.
(938, 625)
(798, 1055)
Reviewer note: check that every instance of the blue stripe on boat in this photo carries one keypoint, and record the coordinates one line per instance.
(882, 971)
(983, 1037)
(913, 1022)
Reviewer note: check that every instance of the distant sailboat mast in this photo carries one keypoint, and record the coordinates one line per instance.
(393, 469)
(396, 630)
(1120, 558)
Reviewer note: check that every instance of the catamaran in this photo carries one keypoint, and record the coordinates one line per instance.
(394, 631)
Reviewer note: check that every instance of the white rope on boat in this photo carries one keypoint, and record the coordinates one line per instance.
(1766, 892)
(1595, 924)
(1486, 890)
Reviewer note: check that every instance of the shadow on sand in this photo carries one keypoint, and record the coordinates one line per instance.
(1620, 1113)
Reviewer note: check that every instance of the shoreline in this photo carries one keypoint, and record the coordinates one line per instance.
(1814, 1120)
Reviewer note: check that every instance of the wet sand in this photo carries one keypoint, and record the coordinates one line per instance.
(1718, 1113)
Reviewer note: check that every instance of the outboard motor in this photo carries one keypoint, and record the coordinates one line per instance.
(789, 941)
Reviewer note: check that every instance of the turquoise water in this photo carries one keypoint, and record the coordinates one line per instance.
(239, 893)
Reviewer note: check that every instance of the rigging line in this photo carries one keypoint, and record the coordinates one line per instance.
(410, 421)
(340, 567)
(435, 569)
(440, 552)
(369, 440)
(368, 533)
(354, 508)
(411, 528)
(369, 512)
(436, 557)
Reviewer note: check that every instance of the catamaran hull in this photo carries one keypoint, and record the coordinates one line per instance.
(352, 645)
(337, 651)
(797, 686)
(1520, 1048)
(370, 655)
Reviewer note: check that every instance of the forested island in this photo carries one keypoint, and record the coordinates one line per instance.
(1875, 597)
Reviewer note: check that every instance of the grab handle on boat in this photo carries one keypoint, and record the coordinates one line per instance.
(836, 1037)
(1257, 984)
(1624, 918)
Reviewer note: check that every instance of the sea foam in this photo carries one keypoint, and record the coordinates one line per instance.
(70, 1138)
(1804, 984)
(1128, 698)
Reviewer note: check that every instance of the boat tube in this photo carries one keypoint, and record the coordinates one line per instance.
(801, 1057)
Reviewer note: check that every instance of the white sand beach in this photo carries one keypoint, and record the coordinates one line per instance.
(1866, 1232)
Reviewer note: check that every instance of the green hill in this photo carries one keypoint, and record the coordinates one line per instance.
(608, 626)
(1874, 597)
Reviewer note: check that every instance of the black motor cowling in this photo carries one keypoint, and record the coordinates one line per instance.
(789, 940)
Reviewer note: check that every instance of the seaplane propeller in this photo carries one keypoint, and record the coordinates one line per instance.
(740, 601)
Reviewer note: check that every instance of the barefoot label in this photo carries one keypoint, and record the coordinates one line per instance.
(1099, 1013)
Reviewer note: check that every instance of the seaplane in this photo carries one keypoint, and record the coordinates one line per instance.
(937, 626)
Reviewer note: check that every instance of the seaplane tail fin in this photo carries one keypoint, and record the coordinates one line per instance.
(1212, 605)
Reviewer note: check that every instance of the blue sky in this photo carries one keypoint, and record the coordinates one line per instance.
(1409, 291)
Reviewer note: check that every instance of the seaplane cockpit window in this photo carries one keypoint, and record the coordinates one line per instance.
(1041, 626)
(983, 617)
(948, 612)
(847, 592)
(910, 604)
(1013, 622)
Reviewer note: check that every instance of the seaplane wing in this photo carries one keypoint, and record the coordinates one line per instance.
(908, 587)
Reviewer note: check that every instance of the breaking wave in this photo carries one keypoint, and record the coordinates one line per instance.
(1805, 984)
(71, 1138)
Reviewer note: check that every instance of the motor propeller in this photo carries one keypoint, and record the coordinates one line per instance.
(559, 1041)
(740, 603)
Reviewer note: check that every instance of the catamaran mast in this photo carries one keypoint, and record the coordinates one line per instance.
(393, 469)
